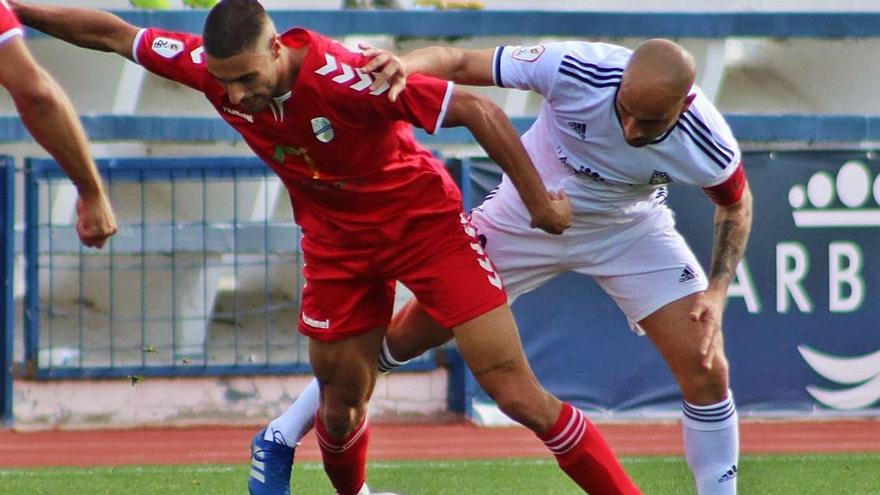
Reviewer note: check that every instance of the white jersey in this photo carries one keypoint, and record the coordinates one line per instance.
(577, 141)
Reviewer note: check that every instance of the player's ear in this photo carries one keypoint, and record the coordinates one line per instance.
(275, 45)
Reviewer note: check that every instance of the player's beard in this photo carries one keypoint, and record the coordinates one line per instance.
(254, 103)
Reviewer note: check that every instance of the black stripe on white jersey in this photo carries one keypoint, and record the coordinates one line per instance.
(615, 82)
(709, 132)
(705, 141)
(597, 68)
(496, 66)
(721, 163)
(591, 74)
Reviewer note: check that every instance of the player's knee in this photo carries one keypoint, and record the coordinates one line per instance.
(340, 419)
(530, 410)
(707, 386)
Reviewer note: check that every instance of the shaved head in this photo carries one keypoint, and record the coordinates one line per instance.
(655, 89)
(661, 68)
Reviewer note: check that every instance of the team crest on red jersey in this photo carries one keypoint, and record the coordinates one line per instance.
(323, 129)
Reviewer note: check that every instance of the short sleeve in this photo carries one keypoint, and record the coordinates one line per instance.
(9, 25)
(176, 56)
(710, 142)
(423, 103)
(528, 67)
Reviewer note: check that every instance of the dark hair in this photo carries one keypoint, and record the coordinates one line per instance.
(232, 27)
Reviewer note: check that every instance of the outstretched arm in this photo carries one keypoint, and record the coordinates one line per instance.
(52, 121)
(88, 28)
(492, 129)
(471, 67)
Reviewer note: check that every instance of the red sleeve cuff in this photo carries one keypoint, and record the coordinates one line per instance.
(729, 191)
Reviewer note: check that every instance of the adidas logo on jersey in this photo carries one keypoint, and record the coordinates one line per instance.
(579, 128)
(687, 273)
(361, 80)
(729, 475)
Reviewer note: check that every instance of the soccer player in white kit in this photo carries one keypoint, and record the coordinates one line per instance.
(616, 127)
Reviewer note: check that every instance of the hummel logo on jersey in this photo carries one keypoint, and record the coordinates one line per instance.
(579, 127)
(245, 116)
(687, 273)
(729, 475)
(348, 75)
(315, 323)
(659, 178)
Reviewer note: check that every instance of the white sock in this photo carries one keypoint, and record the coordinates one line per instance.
(298, 419)
(386, 360)
(711, 444)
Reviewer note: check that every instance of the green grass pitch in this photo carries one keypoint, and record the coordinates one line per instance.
(851, 474)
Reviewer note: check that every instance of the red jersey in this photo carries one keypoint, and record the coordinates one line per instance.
(9, 25)
(346, 155)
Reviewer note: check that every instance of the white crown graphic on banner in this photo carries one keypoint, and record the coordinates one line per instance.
(853, 186)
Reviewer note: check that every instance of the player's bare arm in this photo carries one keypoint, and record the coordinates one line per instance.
(733, 222)
(494, 132)
(88, 28)
(471, 67)
(49, 116)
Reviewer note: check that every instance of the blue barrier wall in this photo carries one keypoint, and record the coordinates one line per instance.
(801, 323)
(426, 24)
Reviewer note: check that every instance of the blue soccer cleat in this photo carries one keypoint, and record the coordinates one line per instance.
(271, 463)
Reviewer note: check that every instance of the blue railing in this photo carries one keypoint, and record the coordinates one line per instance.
(7, 298)
(427, 24)
(181, 290)
(747, 128)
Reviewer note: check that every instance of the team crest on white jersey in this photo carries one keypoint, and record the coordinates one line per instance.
(528, 53)
(323, 129)
(659, 178)
(167, 47)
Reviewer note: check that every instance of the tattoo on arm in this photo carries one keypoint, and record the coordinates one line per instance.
(504, 365)
(729, 245)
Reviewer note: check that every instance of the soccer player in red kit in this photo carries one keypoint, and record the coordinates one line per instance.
(49, 116)
(374, 207)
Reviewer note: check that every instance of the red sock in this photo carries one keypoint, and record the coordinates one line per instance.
(583, 454)
(345, 461)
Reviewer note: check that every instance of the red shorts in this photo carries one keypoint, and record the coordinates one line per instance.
(350, 289)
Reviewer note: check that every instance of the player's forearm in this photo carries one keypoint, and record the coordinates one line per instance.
(733, 224)
(88, 28)
(497, 136)
(51, 120)
(453, 64)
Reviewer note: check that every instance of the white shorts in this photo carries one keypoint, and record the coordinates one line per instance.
(643, 266)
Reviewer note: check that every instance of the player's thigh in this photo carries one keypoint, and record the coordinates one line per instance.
(678, 340)
(342, 296)
(649, 273)
(491, 347)
(447, 270)
(412, 332)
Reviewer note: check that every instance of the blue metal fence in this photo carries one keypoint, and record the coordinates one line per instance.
(203, 277)
(7, 298)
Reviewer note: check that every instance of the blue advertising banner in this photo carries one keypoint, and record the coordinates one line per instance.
(801, 326)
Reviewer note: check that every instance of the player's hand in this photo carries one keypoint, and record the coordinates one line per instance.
(386, 68)
(708, 310)
(95, 220)
(555, 219)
